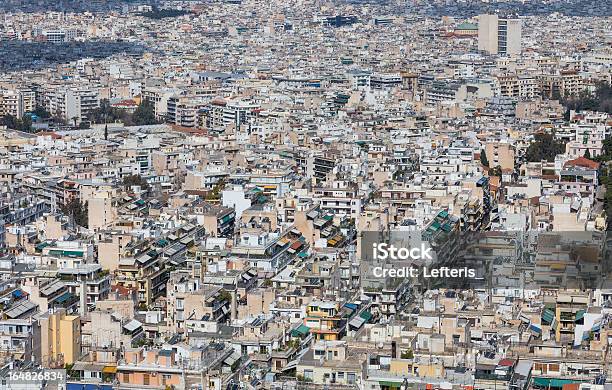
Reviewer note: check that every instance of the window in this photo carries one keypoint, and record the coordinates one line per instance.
(146, 379)
(350, 378)
(553, 367)
(308, 375)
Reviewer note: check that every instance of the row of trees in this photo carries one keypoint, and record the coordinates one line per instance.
(601, 100)
(24, 124)
(544, 147)
(157, 13)
(143, 115)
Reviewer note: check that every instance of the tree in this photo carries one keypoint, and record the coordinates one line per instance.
(157, 13)
(41, 112)
(224, 295)
(483, 158)
(136, 180)
(24, 124)
(587, 154)
(408, 354)
(144, 114)
(606, 152)
(77, 211)
(544, 147)
(497, 171)
(10, 122)
(601, 100)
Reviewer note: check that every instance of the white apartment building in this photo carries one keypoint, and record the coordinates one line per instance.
(499, 35)
(17, 102)
(72, 104)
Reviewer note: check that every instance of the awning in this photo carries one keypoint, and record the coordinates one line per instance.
(132, 325)
(231, 359)
(535, 328)
(300, 331)
(388, 383)
(357, 322)
(553, 382)
(282, 242)
(366, 315)
(579, 315)
(64, 297)
(109, 370)
(548, 316)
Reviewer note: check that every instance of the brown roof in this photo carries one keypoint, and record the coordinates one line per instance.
(582, 162)
(51, 133)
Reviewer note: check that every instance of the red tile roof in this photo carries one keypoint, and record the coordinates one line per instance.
(50, 133)
(582, 162)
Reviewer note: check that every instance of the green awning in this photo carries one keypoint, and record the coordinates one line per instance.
(579, 315)
(59, 252)
(42, 246)
(553, 382)
(366, 315)
(548, 316)
(300, 331)
(388, 383)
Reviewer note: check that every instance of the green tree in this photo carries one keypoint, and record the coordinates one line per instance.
(587, 154)
(606, 152)
(144, 114)
(76, 210)
(41, 113)
(24, 124)
(408, 354)
(600, 100)
(483, 158)
(544, 147)
(135, 180)
(497, 171)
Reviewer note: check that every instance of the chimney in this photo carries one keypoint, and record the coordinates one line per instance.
(234, 305)
(83, 305)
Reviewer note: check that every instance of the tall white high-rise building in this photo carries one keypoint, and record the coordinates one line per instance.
(499, 35)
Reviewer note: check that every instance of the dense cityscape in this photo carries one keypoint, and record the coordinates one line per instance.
(313, 195)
